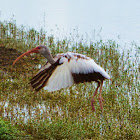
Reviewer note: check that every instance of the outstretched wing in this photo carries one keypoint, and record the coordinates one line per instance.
(60, 78)
(53, 77)
(70, 68)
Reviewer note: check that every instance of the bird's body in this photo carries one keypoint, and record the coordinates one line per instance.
(66, 69)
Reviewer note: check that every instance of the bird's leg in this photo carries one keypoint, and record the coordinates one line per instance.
(100, 96)
(92, 100)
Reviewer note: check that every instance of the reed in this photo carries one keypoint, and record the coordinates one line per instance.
(66, 114)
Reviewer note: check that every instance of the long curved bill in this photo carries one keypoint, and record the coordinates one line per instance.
(34, 50)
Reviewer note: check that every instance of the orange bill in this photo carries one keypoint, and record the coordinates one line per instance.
(34, 50)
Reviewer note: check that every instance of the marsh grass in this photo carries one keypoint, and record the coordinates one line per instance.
(66, 114)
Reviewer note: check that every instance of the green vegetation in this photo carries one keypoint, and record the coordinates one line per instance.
(67, 114)
(9, 132)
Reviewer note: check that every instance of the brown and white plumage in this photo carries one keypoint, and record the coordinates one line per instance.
(66, 69)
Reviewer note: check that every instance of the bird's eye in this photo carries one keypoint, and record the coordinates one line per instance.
(38, 47)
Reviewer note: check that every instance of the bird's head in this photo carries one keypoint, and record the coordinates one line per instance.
(43, 50)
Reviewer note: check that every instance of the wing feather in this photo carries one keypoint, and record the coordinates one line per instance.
(86, 65)
(60, 78)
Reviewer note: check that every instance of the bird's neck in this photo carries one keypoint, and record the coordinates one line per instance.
(49, 58)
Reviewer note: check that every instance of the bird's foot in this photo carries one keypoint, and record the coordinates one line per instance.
(101, 102)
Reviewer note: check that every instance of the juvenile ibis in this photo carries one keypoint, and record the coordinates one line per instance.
(66, 69)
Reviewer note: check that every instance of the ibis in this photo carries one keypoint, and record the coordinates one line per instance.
(66, 69)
